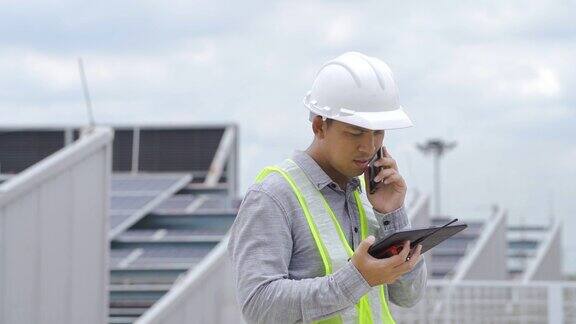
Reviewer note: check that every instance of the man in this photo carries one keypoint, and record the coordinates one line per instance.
(292, 243)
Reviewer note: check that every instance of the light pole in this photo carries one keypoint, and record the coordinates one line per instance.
(438, 148)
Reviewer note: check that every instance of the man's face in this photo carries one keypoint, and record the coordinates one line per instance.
(349, 148)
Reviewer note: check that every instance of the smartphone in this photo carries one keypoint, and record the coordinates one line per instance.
(373, 170)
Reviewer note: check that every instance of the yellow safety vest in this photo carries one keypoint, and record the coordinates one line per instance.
(331, 241)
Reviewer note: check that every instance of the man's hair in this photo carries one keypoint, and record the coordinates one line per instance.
(328, 120)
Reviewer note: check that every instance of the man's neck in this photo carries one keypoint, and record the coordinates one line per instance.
(336, 176)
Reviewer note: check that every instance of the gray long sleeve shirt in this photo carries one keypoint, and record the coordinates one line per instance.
(277, 268)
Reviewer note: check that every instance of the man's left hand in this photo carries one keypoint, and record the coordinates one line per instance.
(391, 188)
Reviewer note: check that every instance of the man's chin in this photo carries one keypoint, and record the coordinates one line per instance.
(360, 170)
(356, 173)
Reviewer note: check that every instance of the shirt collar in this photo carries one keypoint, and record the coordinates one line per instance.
(315, 173)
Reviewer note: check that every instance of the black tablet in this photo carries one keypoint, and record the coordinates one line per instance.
(427, 237)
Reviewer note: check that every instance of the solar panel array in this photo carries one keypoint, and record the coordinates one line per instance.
(155, 251)
(168, 149)
(178, 149)
(20, 149)
(135, 195)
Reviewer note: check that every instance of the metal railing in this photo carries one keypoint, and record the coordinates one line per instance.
(493, 302)
(53, 236)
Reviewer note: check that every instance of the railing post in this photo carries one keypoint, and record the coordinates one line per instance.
(555, 303)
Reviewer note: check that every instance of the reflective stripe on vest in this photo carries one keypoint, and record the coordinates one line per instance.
(331, 242)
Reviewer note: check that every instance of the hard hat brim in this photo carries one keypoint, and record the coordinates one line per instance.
(377, 120)
(382, 120)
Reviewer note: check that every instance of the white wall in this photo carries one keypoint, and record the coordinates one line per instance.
(487, 258)
(419, 211)
(547, 264)
(53, 236)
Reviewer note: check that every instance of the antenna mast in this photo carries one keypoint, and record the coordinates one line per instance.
(91, 122)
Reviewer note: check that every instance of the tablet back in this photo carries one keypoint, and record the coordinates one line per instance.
(430, 237)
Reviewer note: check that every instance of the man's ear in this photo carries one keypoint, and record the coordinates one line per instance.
(319, 127)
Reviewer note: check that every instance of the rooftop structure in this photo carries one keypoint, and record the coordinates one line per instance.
(172, 196)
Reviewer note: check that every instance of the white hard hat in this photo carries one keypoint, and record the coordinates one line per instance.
(359, 90)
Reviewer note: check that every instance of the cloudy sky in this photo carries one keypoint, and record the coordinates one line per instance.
(497, 77)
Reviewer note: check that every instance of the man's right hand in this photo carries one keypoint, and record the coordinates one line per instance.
(384, 271)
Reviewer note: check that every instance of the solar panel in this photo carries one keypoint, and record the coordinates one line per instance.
(135, 195)
(214, 203)
(118, 216)
(159, 255)
(176, 204)
(143, 182)
(197, 204)
(168, 235)
(130, 202)
(178, 251)
(122, 150)
(178, 150)
(20, 149)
